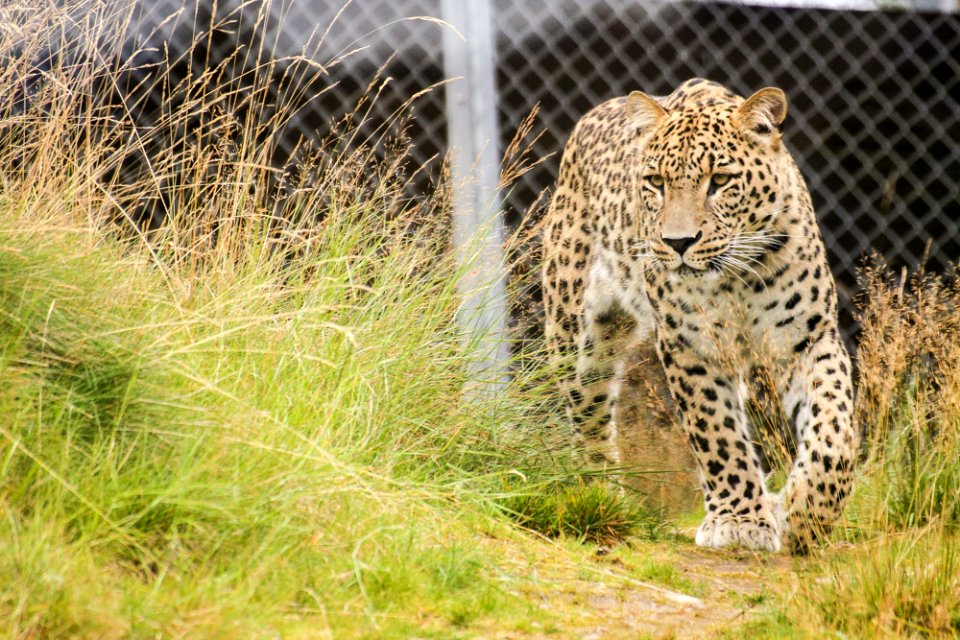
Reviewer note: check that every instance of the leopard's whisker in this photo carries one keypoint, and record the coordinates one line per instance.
(728, 266)
(771, 234)
(754, 260)
(748, 253)
(763, 242)
(743, 266)
(752, 253)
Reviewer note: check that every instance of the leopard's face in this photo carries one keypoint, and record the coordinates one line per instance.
(711, 184)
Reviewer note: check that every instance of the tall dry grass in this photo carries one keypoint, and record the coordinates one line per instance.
(231, 389)
(892, 569)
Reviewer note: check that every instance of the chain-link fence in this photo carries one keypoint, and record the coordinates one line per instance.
(874, 91)
(874, 116)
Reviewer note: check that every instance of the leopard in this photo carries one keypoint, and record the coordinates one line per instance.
(682, 226)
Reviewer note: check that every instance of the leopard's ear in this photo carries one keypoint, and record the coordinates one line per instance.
(763, 112)
(643, 111)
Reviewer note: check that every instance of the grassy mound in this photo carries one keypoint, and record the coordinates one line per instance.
(256, 419)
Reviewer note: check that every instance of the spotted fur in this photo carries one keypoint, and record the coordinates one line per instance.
(684, 222)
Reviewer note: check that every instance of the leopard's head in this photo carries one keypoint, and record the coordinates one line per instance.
(711, 175)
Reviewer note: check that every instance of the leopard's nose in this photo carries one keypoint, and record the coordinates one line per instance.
(680, 245)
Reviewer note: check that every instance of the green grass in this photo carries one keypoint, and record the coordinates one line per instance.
(667, 574)
(249, 446)
(580, 509)
(262, 444)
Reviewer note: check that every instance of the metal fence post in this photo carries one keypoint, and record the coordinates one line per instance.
(472, 134)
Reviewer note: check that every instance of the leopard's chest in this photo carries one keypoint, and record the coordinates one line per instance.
(740, 320)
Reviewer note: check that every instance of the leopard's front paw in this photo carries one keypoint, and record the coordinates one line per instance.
(804, 526)
(759, 533)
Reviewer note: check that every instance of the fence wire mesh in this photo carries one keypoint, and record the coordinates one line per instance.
(367, 60)
(874, 117)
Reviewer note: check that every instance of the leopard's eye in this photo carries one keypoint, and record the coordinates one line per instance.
(655, 180)
(718, 180)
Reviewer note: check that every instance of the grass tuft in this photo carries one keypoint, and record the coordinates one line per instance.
(585, 510)
(899, 587)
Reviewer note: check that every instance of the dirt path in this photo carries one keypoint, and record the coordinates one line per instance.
(663, 589)
(732, 586)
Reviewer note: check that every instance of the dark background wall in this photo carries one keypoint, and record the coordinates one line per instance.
(874, 116)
